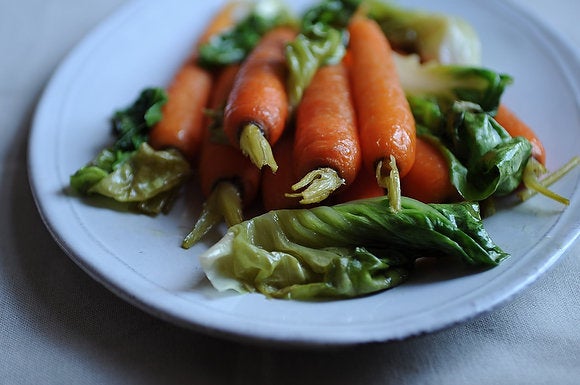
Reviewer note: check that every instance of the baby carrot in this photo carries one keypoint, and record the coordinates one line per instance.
(386, 124)
(181, 126)
(220, 161)
(517, 127)
(229, 181)
(257, 109)
(326, 145)
(275, 186)
(428, 180)
(188, 93)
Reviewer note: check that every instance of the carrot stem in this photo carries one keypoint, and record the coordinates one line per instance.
(254, 144)
(224, 202)
(317, 184)
(392, 182)
(534, 186)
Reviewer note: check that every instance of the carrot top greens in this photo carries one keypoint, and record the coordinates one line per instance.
(233, 45)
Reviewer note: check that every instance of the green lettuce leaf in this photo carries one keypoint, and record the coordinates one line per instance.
(130, 170)
(438, 37)
(144, 175)
(484, 160)
(450, 83)
(345, 250)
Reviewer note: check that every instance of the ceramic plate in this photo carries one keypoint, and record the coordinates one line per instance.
(139, 258)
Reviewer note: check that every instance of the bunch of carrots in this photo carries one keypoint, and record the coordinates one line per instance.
(350, 132)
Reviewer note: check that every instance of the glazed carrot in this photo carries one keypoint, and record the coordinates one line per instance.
(220, 161)
(364, 186)
(229, 181)
(517, 127)
(188, 93)
(326, 145)
(386, 124)
(428, 180)
(257, 109)
(181, 126)
(275, 186)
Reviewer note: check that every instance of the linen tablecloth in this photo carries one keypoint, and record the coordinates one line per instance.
(59, 326)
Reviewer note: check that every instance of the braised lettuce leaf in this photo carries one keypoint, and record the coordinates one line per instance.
(484, 159)
(130, 170)
(345, 250)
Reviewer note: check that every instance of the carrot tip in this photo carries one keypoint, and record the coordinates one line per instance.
(318, 184)
(255, 146)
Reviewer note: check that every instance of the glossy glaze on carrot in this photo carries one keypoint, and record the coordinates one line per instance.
(386, 123)
(259, 92)
(428, 180)
(326, 131)
(182, 125)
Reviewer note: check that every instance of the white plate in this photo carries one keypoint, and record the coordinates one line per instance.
(139, 258)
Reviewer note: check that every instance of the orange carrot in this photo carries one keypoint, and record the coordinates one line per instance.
(181, 126)
(428, 180)
(220, 161)
(517, 127)
(229, 181)
(326, 147)
(386, 124)
(364, 186)
(257, 109)
(188, 93)
(275, 186)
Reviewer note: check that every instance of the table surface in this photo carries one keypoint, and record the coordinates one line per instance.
(58, 326)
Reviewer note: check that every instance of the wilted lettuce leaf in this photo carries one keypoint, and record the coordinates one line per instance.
(447, 84)
(484, 160)
(130, 170)
(143, 175)
(433, 36)
(345, 250)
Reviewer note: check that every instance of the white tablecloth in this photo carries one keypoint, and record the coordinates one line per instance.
(58, 326)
